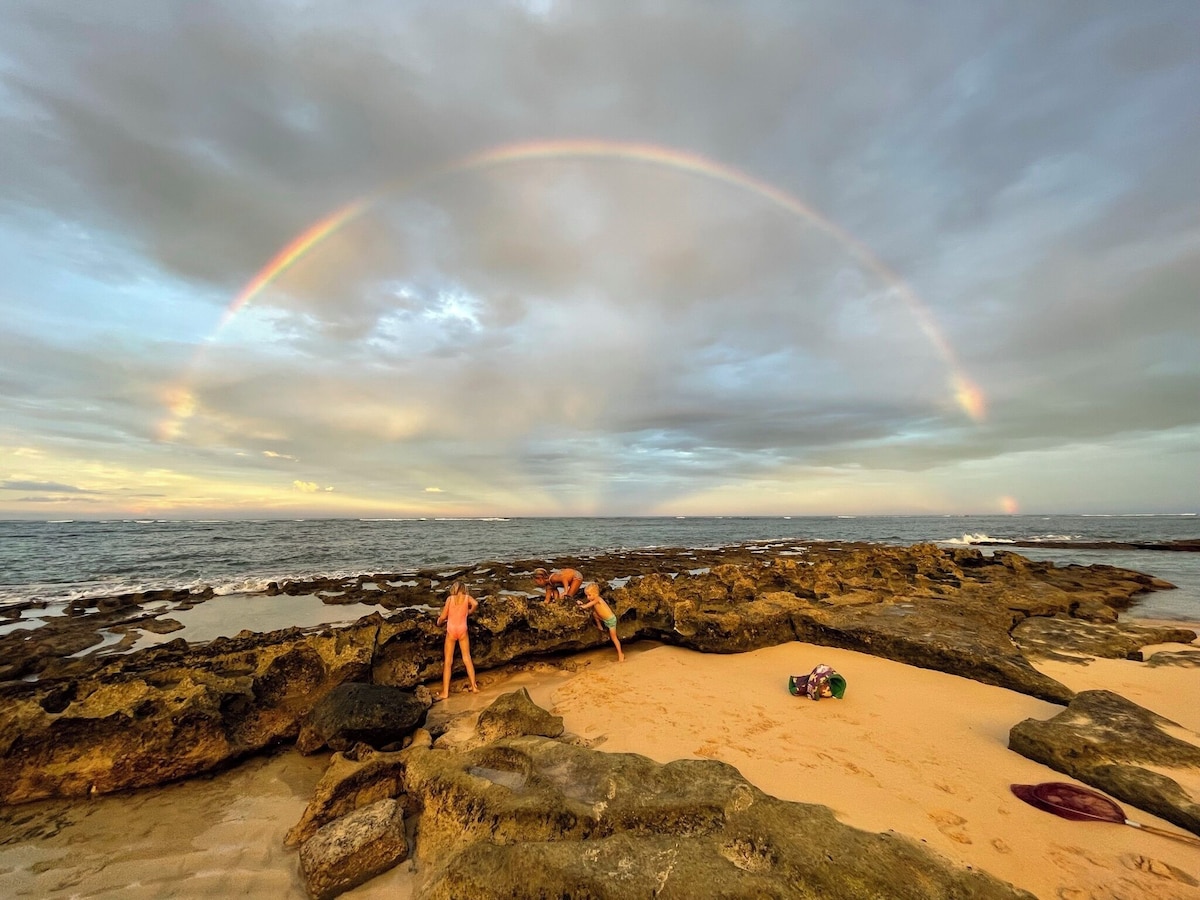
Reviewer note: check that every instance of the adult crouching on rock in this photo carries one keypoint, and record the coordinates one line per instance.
(561, 583)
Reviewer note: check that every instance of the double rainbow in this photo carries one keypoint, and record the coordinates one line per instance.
(966, 393)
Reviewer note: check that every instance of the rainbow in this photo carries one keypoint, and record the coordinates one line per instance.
(295, 249)
(967, 394)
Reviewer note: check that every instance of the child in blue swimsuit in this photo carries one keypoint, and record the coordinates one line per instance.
(602, 615)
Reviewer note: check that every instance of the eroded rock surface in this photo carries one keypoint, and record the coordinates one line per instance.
(530, 816)
(534, 817)
(515, 714)
(354, 849)
(1106, 741)
(99, 724)
(1188, 659)
(353, 713)
(1054, 637)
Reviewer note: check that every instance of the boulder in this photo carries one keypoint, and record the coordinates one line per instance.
(374, 714)
(354, 779)
(515, 714)
(354, 849)
(1113, 744)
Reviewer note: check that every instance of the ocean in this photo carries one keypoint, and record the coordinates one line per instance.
(59, 561)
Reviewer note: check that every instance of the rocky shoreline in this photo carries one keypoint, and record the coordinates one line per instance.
(107, 722)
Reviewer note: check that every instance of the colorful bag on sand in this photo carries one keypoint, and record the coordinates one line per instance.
(820, 682)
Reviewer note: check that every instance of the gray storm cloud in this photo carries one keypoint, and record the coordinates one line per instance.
(1028, 169)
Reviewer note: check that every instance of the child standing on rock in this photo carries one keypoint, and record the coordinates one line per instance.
(458, 606)
(602, 615)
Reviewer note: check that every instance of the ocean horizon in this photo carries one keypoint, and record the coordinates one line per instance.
(57, 561)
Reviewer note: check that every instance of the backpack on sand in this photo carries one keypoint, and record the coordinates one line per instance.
(822, 681)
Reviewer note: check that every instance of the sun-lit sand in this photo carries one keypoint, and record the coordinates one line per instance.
(908, 750)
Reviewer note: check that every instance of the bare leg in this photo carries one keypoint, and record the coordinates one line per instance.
(612, 632)
(599, 622)
(464, 644)
(446, 667)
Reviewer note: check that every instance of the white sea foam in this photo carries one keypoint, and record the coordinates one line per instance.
(977, 538)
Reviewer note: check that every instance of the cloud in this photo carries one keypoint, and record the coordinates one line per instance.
(588, 331)
(47, 486)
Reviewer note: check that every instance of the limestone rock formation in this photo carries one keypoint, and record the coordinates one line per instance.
(1053, 637)
(153, 717)
(355, 779)
(352, 713)
(534, 817)
(1187, 659)
(1106, 741)
(354, 849)
(514, 714)
(106, 723)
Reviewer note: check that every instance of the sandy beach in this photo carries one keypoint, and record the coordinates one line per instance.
(908, 750)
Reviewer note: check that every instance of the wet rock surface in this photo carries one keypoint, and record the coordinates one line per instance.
(110, 722)
(1106, 741)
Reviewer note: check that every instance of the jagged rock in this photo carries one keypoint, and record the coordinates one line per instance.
(169, 712)
(516, 714)
(354, 849)
(1106, 741)
(351, 713)
(129, 715)
(354, 779)
(534, 817)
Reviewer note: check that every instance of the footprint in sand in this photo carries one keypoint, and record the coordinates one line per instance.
(949, 823)
(1000, 846)
(1159, 868)
(856, 770)
(761, 725)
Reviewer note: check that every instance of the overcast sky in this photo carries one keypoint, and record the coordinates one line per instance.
(884, 202)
